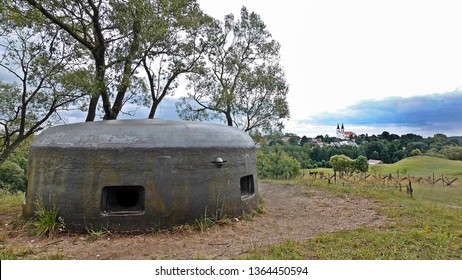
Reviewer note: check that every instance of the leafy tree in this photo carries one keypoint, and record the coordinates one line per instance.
(43, 78)
(453, 153)
(243, 83)
(304, 141)
(12, 177)
(416, 152)
(423, 147)
(440, 137)
(342, 163)
(385, 135)
(391, 150)
(398, 155)
(294, 141)
(374, 155)
(13, 170)
(318, 154)
(174, 48)
(373, 150)
(276, 164)
(301, 154)
(361, 164)
(107, 33)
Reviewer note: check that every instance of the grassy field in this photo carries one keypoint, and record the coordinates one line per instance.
(420, 165)
(10, 202)
(427, 225)
(421, 227)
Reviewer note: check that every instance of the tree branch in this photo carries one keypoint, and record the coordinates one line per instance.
(61, 24)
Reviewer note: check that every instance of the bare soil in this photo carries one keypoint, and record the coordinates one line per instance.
(291, 213)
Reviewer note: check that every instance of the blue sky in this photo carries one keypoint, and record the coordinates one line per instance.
(375, 66)
(424, 115)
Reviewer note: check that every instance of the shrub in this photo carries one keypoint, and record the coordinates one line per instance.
(453, 153)
(361, 164)
(12, 177)
(342, 163)
(276, 164)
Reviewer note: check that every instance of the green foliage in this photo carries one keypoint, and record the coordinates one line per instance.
(341, 163)
(276, 164)
(361, 164)
(389, 148)
(398, 155)
(453, 153)
(374, 155)
(421, 146)
(416, 152)
(13, 170)
(12, 177)
(46, 221)
(299, 153)
(37, 57)
(242, 82)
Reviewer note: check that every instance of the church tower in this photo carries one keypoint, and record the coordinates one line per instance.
(340, 132)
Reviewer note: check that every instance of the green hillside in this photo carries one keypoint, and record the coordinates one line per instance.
(420, 165)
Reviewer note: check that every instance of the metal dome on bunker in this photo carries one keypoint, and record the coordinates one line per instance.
(131, 175)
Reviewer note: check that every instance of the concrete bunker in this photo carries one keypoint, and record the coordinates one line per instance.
(131, 175)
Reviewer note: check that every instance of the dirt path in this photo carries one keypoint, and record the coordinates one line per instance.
(292, 213)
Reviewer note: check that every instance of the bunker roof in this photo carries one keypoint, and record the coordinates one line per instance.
(145, 133)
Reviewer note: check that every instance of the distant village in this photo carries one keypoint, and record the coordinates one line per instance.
(342, 138)
(381, 148)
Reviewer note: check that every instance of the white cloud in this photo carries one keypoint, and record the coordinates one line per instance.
(337, 53)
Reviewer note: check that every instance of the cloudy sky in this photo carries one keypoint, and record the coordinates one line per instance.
(373, 65)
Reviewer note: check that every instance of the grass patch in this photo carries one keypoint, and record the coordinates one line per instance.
(54, 256)
(425, 226)
(420, 165)
(437, 194)
(46, 221)
(93, 234)
(14, 254)
(289, 250)
(10, 202)
(418, 232)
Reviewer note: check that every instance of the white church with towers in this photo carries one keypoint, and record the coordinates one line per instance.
(344, 135)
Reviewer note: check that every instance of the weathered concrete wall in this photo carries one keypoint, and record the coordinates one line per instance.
(141, 185)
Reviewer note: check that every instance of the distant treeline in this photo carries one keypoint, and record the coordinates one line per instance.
(389, 148)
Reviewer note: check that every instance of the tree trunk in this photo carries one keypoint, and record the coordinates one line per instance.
(127, 72)
(98, 54)
(10, 149)
(155, 104)
(91, 114)
(229, 119)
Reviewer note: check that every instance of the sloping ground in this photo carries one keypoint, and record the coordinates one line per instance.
(292, 213)
(421, 165)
